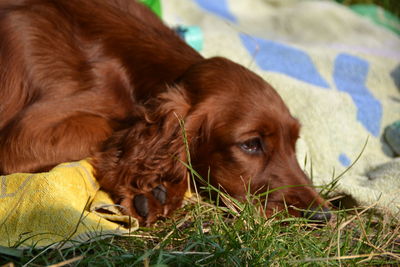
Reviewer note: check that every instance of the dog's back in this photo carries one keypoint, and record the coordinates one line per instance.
(71, 73)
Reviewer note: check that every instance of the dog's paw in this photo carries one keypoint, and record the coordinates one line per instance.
(160, 193)
(158, 203)
(141, 202)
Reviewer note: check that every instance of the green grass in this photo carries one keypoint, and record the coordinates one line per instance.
(202, 234)
(390, 5)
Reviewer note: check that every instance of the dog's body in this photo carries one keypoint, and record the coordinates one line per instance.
(107, 80)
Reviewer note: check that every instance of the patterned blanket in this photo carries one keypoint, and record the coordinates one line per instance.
(338, 72)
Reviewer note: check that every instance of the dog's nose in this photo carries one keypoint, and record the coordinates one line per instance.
(318, 214)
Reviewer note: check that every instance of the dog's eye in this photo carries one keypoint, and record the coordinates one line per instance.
(252, 146)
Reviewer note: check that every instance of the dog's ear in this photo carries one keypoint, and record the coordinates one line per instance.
(199, 123)
(149, 151)
(169, 108)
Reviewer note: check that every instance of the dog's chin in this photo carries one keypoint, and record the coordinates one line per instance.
(318, 214)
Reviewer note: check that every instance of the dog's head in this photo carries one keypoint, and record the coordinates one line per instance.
(243, 136)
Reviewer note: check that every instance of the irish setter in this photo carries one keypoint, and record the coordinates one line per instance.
(106, 79)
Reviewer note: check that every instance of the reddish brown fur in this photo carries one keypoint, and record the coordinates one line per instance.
(107, 80)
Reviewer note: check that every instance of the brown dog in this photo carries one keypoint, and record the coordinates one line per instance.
(107, 80)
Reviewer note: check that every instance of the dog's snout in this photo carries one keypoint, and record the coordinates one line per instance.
(318, 214)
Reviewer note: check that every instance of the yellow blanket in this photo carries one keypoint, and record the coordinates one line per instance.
(65, 203)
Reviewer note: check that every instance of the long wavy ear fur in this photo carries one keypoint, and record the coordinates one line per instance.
(136, 159)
